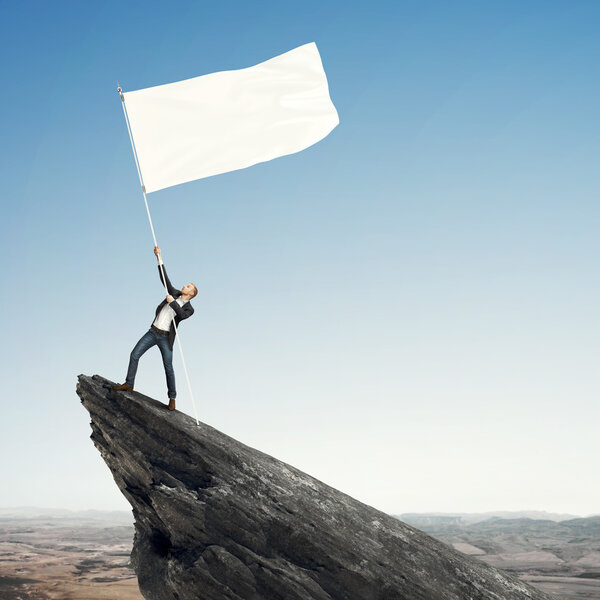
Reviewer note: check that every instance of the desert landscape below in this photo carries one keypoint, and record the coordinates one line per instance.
(51, 555)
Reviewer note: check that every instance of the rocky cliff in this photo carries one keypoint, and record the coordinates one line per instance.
(218, 520)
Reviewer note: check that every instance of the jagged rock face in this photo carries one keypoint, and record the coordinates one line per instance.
(218, 520)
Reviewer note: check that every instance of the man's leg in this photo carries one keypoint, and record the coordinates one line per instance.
(167, 356)
(146, 342)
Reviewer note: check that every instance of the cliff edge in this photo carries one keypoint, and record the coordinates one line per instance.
(218, 520)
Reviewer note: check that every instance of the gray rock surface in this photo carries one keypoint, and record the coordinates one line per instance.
(218, 520)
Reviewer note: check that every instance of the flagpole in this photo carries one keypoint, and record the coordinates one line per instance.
(137, 164)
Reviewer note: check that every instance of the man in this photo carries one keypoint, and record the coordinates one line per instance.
(176, 307)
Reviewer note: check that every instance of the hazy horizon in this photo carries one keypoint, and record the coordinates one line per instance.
(50, 509)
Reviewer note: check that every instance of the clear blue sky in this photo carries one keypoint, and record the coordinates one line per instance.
(407, 310)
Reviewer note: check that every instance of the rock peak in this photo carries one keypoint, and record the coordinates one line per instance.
(218, 520)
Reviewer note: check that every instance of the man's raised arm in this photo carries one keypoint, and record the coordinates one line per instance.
(170, 287)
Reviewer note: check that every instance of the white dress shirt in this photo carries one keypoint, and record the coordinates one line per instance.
(165, 316)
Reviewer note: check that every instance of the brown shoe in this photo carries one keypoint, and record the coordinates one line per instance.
(171, 403)
(123, 388)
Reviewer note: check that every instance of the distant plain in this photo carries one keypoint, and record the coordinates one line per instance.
(59, 555)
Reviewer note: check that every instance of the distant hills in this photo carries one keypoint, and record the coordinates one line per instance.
(35, 512)
(415, 519)
(421, 520)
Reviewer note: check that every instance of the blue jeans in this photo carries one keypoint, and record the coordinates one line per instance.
(149, 339)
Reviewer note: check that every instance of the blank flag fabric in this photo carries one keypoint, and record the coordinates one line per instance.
(230, 120)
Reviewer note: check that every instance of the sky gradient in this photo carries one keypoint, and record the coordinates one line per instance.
(406, 310)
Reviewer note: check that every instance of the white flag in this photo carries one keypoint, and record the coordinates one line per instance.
(230, 120)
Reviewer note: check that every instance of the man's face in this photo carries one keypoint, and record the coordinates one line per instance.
(188, 289)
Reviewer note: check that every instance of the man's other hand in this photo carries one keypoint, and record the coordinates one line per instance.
(156, 251)
(170, 298)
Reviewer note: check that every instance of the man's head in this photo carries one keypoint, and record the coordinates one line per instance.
(189, 290)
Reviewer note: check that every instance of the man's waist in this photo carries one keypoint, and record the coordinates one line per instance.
(161, 331)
